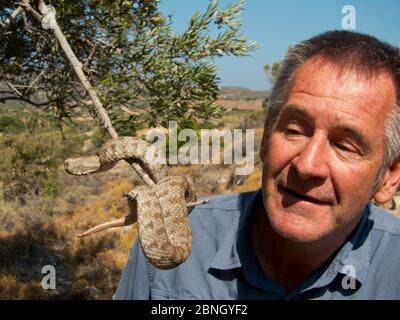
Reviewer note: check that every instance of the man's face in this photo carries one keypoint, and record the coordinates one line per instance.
(325, 150)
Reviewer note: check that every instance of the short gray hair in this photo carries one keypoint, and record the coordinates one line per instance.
(360, 52)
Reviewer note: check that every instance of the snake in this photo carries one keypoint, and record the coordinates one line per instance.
(160, 211)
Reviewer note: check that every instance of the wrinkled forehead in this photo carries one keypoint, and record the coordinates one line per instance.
(332, 81)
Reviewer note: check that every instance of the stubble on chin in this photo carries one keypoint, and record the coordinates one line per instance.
(289, 224)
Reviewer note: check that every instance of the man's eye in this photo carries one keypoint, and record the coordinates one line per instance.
(294, 131)
(345, 147)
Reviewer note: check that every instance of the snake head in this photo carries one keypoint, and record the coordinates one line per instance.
(82, 166)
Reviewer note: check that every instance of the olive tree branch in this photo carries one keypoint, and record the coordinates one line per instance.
(49, 22)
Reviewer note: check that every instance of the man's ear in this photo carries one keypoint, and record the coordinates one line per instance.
(389, 184)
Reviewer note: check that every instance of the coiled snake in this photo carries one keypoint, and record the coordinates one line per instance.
(161, 211)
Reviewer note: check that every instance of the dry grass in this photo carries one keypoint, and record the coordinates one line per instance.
(84, 265)
(241, 104)
(42, 230)
(87, 268)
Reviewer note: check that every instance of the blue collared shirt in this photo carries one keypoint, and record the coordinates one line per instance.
(223, 265)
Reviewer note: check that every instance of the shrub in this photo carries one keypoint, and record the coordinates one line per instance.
(11, 124)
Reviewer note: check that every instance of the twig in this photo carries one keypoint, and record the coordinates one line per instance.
(22, 86)
(33, 103)
(132, 113)
(26, 26)
(49, 15)
(34, 81)
(11, 18)
(16, 91)
(90, 55)
(35, 14)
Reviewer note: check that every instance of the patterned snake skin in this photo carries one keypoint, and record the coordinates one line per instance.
(161, 212)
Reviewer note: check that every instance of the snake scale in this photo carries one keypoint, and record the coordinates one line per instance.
(161, 212)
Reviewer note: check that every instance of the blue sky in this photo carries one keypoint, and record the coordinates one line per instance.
(277, 24)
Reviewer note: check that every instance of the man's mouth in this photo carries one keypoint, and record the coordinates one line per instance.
(300, 197)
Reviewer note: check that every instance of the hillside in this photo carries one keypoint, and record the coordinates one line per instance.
(241, 93)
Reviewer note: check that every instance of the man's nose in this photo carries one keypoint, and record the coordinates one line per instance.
(312, 159)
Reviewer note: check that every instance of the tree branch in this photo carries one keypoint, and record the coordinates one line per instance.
(11, 18)
(77, 66)
(36, 104)
(34, 81)
(49, 21)
(128, 111)
(9, 84)
(26, 26)
(90, 56)
(35, 14)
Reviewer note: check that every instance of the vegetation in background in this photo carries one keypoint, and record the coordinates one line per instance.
(146, 74)
(29, 158)
(272, 73)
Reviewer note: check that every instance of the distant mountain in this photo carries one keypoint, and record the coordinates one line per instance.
(236, 93)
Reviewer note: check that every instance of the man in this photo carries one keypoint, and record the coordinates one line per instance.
(331, 144)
